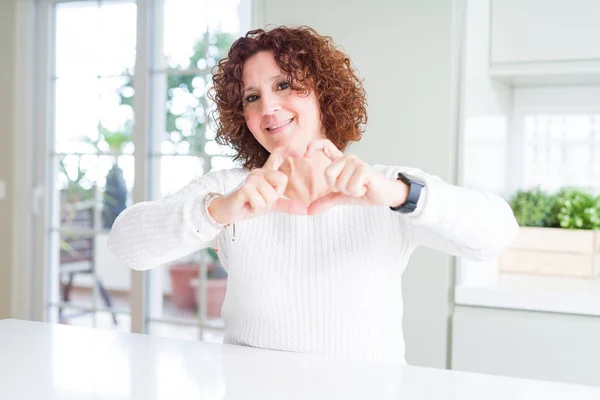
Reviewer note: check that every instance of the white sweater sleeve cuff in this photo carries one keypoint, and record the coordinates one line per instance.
(197, 219)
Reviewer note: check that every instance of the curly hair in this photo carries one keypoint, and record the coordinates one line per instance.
(311, 62)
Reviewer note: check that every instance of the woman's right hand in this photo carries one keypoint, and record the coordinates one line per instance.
(260, 194)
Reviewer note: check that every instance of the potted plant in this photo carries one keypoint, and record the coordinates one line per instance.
(114, 198)
(115, 193)
(184, 282)
(559, 234)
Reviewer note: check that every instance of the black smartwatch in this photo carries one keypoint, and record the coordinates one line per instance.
(414, 192)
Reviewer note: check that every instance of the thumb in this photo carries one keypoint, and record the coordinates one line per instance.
(289, 206)
(326, 202)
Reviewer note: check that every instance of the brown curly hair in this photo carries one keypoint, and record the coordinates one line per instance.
(311, 62)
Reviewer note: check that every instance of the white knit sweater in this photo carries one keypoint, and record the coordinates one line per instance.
(326, 284)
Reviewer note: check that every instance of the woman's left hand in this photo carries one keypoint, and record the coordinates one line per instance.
(352, 181)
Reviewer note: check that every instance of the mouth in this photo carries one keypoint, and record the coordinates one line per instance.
(279, 126)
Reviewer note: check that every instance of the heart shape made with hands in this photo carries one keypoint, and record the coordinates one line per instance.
(350, 181)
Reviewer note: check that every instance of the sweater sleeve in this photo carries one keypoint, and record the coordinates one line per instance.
(456, 220)
(150, 233)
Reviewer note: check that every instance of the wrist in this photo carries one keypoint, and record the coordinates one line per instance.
(413, 187)
(400, 193)
(213, 206)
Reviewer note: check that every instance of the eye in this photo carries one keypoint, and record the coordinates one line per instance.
(283, 85)
(251, 98)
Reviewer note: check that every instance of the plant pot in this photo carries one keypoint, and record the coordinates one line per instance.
(182, 292)
(215, 295)
(553, 251)
(115, 196)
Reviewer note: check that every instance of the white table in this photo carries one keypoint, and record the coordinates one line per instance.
(45, 361)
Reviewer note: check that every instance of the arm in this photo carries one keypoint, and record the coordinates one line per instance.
(154, 232)
(459, 221)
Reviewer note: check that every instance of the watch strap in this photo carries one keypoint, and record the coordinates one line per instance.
(414, 193)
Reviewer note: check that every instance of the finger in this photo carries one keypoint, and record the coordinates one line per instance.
(276, 159)
(357, 186)
(325, 203)
(253, 198)
(277, 180)
(267, 192)
(289, 206)
(326, 147)
(341, 184)
(333, 171)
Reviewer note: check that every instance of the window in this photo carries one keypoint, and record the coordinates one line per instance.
(546, 137)
(130, 122)
(561, 150)
(90, 159)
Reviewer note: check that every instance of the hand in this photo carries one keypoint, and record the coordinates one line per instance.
(352, 181)
(260, 194)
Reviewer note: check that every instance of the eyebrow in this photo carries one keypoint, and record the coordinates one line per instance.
(271, 79)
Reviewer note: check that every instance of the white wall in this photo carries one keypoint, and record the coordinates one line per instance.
(15, 135)
(487, 108)
(7, 121)
(406, 53)
(534, 345)
(487, 121)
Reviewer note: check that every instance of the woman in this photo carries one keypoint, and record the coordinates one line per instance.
(314, 240)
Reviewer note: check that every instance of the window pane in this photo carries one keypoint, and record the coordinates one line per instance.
(95, 38)
(77, 106)
(86, 182)
(186, 24)
(196, 35)
(562, 150)
(94, 115)
(176, 171)
(83, 275)
(225, 17)
(187, 288)
(484, 157)
(187, 115)
(189, 126)
(90, 192)
(116, 114)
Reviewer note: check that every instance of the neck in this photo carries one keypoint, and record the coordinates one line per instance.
(306, 177)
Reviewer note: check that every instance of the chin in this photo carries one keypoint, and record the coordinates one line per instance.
(287, 143)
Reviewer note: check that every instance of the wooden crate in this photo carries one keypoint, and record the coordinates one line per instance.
(553, 251)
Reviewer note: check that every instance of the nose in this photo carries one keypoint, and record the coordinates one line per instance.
(270, 104)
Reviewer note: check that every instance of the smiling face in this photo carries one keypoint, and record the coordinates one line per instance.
(276, 115)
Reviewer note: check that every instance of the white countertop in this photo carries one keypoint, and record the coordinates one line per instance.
(45, 361)
(531, 292)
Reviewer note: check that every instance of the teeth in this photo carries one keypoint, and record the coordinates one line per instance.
(281, 124)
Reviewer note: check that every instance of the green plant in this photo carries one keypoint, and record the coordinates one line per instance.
(212, 253)
(116, 140)
(569, 208)
(576, 209)
(532, 207)
(115, 192)
(217, 271)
